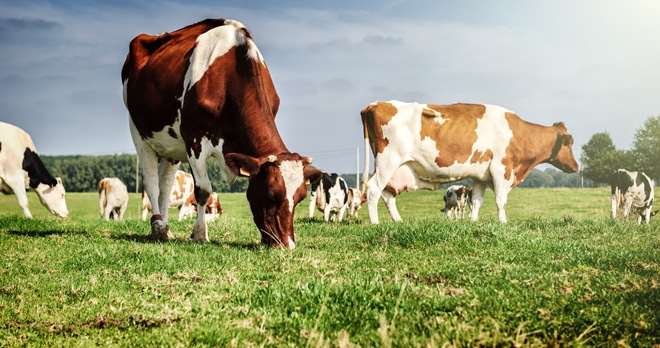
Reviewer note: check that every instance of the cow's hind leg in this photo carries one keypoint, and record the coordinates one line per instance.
(501, 190)
(615, 204)
(376, 188)
(160, 230)
(342, 211)
(390, 203)
(478, 191)
(202, 193)
(122, 210)
(312, 204)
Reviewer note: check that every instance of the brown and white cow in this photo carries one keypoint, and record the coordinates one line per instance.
(420, 146)
(21, 168)
(113, 198)
(213, 208)
(632, 192)
(182, 187)
(205, 91)
(457, 198)
(355, 201)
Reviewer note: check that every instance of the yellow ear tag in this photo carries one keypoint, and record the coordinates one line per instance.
(244, 172)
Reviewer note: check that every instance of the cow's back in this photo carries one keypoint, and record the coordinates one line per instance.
(438, 136)
(13, 143)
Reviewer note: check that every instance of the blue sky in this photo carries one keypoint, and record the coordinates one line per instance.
(592, 64)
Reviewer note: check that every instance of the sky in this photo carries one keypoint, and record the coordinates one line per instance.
(592, 64)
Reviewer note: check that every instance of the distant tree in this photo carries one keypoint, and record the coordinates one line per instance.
(646, 148)
(564, 179)
(537, 178)
(600, 158)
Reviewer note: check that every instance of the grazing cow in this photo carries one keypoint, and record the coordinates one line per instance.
(330, 196)
(189, 207)
(21, 167)
(632, 192)
(204, 91)
(420, 146)
(456, 198)
(182, 188)
(113, 198)
(355, 201)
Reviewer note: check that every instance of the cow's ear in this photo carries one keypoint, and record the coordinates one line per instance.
(312, 175)
(560, 125)
(241, 164)
(653, 213)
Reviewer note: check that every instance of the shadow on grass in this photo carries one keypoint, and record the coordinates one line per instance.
(47, 233)
(146, 239)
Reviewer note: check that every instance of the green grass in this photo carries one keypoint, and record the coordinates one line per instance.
(560, 273)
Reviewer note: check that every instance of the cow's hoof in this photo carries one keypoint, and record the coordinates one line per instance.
(160, 231)
(199, 239)
(162, 236)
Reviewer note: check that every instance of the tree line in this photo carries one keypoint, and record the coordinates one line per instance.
(83, 173)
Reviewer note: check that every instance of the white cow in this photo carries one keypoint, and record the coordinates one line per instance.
(21, 167)
(113, 198)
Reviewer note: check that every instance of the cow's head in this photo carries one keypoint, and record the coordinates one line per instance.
(52, 197)
(562, 154)
(276, 185)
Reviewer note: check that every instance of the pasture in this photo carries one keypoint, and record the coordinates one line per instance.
(560, 273)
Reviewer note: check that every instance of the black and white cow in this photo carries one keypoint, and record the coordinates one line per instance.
(21, 167)
(330, 196)
(632, 192)
(456, 198)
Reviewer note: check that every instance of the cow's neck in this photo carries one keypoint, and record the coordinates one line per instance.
(261, 137)
(534, 145)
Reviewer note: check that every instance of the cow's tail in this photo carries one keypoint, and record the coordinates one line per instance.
(365, 173)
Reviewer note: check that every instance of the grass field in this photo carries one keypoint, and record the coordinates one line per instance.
(560, 273)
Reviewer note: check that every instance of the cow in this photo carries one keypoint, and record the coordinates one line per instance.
(22, 168)
(456, 198)
(632, 192)
(189, 207)
(201, 92)
(182, 188)
(420, 146)
(113, 198)
(355, 201)
(329, 196)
